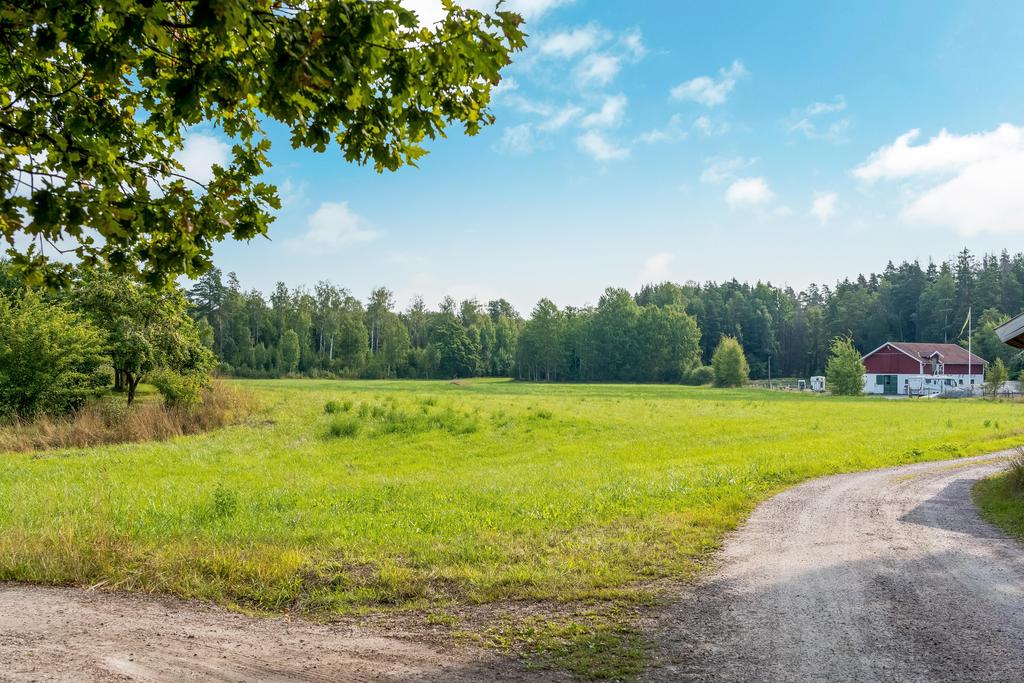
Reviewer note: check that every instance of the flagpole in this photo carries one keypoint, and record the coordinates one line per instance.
(969, 325)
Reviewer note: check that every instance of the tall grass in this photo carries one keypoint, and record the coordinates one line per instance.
(1016, 471)
(111, 421)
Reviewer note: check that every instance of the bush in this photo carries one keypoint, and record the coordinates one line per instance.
(51, 359)
(729, 364)
(699, 375)
(844, 370)
(185, 391)
(332, 407)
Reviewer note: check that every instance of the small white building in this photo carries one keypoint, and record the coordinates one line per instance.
(916, 368)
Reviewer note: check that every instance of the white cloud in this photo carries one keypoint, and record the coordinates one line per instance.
(567, 44)
(597, 69)
(814, 121)
(672, 132)
(526, 105)
(719, 169)
(596, 145)
(517, 140)
(708, 90)
(200, 153)
(633, 41)
(610, 113)
(826, 107)
(970, 183)
(749, 192)
(530, 9)
(824, 206)
(291, 192)
(656, 268)
(560, 118)
(944, 153)
(708, 128)
(504, 87)
(430, 12)
(986, 196)
(333, 226)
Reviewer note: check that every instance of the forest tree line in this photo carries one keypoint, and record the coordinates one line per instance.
(665, 332)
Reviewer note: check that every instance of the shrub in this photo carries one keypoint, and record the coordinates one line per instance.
(51, 359)
(177, 390)
(699, 375)
(729, 363)
(332, 407)
(844, 370)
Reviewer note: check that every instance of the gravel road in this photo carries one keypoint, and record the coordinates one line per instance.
(887, 575)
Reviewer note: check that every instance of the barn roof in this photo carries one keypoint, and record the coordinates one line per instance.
(953, 354)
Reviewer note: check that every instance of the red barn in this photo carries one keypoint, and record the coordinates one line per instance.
(921, 368)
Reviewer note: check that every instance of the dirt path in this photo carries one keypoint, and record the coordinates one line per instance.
(63, 634)
(879, 576)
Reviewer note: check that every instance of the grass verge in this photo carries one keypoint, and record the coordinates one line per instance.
(1001, 497)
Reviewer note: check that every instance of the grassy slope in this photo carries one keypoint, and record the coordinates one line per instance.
(517, 491)
(1001, 501)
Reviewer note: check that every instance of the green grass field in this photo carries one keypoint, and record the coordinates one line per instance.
(436, 494)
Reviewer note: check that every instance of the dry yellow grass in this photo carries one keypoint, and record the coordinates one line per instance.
(112, 421)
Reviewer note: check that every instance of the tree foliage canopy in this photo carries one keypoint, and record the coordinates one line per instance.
(996, 376)
(51, 358)
(730, 364)
(146, 330)
(96, 97)
(844, 371)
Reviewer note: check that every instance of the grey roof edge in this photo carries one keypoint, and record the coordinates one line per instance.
(1010, 329)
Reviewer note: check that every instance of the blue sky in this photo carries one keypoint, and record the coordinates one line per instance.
(642, 141)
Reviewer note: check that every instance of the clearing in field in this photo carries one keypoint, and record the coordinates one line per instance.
(428, 498)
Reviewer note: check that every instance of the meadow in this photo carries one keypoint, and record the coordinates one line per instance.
(345, 497)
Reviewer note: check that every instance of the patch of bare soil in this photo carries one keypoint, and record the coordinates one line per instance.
(67, 634)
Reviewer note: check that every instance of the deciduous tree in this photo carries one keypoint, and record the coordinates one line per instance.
(97, 97)
(844, 371)
(729, 363)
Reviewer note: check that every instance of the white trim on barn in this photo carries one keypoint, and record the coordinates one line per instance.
(927, 372)
(922, 384)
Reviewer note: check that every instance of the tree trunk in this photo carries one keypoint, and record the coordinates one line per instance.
(133, 383)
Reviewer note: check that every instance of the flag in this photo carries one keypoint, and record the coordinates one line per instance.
(966, 322)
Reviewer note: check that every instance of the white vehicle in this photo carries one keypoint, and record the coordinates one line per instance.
(818, 383)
